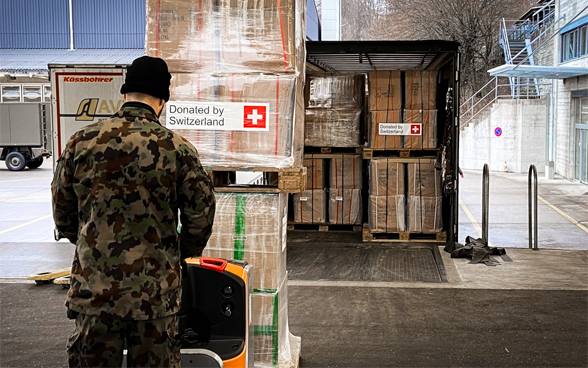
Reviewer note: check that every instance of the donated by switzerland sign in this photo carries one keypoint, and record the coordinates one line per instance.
(240, 116)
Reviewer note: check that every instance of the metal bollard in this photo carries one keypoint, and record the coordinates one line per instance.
(485, 203)
(533, 212)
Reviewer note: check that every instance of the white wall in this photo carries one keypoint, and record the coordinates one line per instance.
(331, 20)
(522, 142)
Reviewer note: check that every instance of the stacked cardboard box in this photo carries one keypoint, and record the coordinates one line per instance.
(223, 52)
(386, 207)
(345, 202)
(424, 197)
(334, 111)
(385, 105)
(420, 104)
(310, 206)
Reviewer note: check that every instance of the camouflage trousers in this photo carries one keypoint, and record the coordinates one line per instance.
(99, 342)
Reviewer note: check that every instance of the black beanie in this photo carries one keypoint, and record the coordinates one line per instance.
(148, 75)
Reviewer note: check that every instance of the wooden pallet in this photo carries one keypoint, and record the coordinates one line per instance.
(404, 237)
(370, 153)
(329, 155)
(273, 180)
(48, 276)
(312, 149)
(324, 227)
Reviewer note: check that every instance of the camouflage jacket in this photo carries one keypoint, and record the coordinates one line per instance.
(116, 194)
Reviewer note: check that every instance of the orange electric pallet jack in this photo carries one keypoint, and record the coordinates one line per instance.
(213, 323)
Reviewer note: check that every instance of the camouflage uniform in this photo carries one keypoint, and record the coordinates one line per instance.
(116, 194)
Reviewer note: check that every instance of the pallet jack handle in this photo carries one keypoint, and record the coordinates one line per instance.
(214, 264)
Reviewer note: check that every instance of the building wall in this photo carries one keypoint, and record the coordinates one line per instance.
(522, 142)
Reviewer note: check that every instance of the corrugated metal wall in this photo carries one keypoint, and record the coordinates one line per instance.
(34, 24)
(109, 24)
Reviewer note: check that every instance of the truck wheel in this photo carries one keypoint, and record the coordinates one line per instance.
(15, 161)
(33, 164)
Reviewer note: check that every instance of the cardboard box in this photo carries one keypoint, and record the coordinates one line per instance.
(332, 128)
(274, 345)
(232, 36)
(281, 146)
(386, 214)
(428, 137)
(346, 171)
(341, 92)
(420, 90)
(384, 141)
(310, 207)
(345, 206)
(386, 177)
(315, 173)
(385, 90)
(424, 214)
(252, 227)
(424, 179)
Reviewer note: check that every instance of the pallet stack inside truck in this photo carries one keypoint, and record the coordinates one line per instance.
(244, 60)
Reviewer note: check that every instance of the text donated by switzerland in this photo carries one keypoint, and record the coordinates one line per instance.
(239, 116)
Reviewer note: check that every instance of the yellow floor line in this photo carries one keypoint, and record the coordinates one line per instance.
(570, 218)
(472, 219)
(23, 225)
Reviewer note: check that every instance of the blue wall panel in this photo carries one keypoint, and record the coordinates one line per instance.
(109, 24)
(36, 24)
(313, 24)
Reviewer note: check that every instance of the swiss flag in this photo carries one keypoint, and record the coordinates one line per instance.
(254, 117)
(415, 129)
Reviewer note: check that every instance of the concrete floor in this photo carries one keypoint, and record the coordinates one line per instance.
(528, 313)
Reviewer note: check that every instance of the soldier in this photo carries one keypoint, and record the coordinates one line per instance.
(116, 192)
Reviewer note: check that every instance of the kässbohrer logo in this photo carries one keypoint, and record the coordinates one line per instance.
(88, 79)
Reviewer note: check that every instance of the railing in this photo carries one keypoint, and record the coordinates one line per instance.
(493, 91)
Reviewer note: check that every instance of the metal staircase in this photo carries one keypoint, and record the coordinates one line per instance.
(517, 39)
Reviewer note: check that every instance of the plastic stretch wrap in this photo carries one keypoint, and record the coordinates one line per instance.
(252, 227)
(420, 90)
(386, 178)
(280, 147)
(428, 137)
(384, 141)
(274, 345)
(228, 36)
(310, 207)
(341, 92)
(332, 128)
(315, 173)
(385, 90)
(386, 214)
(424, 214)
(345, 206)
(346, 171)
(424, 179)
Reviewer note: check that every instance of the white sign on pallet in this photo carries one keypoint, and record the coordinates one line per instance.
(400, 129)
(240, 116)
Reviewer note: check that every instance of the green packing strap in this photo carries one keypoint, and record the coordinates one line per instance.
(271, 330)
(241, 203)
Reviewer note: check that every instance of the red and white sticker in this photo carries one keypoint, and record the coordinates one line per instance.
(399, 129)
(240, 116)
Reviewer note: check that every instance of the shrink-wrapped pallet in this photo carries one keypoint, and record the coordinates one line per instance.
(384, 141)
(386, 214)
(424, 179)
(341, 92)
(310, 207)
(346, 171)
(345, 206)
(279, 146)
(332, 128)
(274, 345)
(386, 177)
(252, 227)
(385, 90)
(420, 90)
(227, 36)
(428, 121)
(315, 172)
(424, 214)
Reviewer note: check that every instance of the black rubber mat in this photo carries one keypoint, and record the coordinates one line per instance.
(365, 262)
